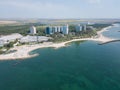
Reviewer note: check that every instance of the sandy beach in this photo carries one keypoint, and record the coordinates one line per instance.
(23, 51)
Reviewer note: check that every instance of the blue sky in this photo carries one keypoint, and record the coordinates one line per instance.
(59, 8)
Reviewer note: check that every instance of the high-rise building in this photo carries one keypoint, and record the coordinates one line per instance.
(78, 28)
(58, 28)
(62, 29)
(33, 30)
(55, 28)
(84, 27)
(65, 29)
(49, 30)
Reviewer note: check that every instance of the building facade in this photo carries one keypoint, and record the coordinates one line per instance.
(65, 29)
(85, 27)
(55, 29)
(33, 30)
(31, 39)
(9, 38)
(79, 28)
(49, 30)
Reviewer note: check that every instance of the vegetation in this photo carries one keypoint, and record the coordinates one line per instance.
(61, 38)
(41, 30)
(22, 29)
(58, 37)
(86, 34)
(72, 28)
(100, 26)
(6, 47)
(10, 45)
(1, 51)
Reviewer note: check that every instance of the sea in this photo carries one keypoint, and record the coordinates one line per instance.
(78, 66)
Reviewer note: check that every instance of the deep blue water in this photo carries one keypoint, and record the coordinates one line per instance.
(80, 66)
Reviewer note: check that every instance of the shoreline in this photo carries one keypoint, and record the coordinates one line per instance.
(23, 52)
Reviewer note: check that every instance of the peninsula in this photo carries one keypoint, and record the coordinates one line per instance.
(21, 52)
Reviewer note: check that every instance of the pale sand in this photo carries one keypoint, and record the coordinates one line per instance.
(23, 51)
(7, 22)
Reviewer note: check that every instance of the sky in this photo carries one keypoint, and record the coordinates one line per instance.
(59, 8)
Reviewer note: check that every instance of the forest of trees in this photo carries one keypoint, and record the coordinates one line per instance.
(22, 29)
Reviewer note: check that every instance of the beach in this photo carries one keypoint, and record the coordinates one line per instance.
(22, 52)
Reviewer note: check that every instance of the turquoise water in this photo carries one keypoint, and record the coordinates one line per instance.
(80, 66)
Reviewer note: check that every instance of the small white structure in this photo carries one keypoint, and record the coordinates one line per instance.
(9, 38)
(90, 23)
(1, 43)
(29, 39)
(33, 30)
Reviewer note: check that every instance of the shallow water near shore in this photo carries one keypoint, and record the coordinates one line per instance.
(85, 66)
(79, 66)
(113, 32)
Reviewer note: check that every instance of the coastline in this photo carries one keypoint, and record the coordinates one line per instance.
(23, 51)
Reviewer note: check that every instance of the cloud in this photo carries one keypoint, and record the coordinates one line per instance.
(31, 5)
(94, 1)
(34, 8)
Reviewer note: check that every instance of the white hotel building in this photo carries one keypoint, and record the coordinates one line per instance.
(33, 30)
